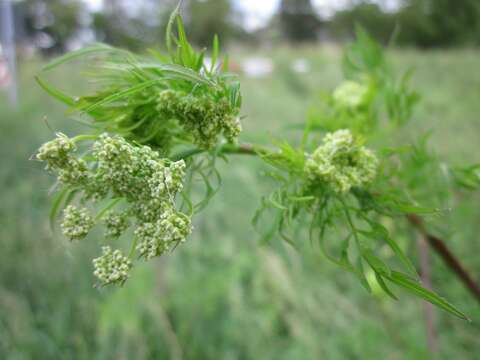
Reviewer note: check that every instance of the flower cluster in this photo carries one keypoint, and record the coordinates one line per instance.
(341, 163)
(119, 170)
(112, 266)
(56, 153)
(115, 224)
(76, 222)
(351, 94)
(136, 173)
(201, 116)
(158, 237)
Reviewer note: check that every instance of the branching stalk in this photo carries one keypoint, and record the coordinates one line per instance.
(437, 244)
(452, 262)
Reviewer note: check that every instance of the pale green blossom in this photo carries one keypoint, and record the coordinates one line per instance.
(341, 163)
(116, 169)
(112, 266)
(56, 153)
(201, 116)
(136, 172)
(115, 224)
(154, 238)
(76, 223)
(351, 94)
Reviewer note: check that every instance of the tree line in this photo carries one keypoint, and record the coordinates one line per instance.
(56, 26)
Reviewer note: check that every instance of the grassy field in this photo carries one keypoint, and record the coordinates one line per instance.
(223, 295)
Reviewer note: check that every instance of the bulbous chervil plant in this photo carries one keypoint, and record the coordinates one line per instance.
(159, 122)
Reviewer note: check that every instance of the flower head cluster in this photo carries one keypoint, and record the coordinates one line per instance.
(137, 173)
(112, 266)
(115, 224)
(117, 169)
(58, 154)
(201, 116)
(351, 94)
(341, 163)
(157, 237)
(76, 222)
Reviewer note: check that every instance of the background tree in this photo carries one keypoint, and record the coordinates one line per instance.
(117, 25)
(207, 17)
(424, 23)
(298, 20)
(369, 15)
(52, 24)
(429, 23)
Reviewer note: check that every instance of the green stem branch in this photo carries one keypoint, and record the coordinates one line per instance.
(436, 243)
(241, 149)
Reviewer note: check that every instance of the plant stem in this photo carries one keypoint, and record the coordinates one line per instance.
(447, 256)
(84, 137)
(436, 243)
(245, 149)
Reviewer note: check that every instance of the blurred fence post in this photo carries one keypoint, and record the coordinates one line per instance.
(7, 40)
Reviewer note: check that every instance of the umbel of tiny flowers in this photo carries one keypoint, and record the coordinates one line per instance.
(203, 117)
(350, 94)
(340, 163)
(154, 238)
(118, 171)
(56, 153)
(76, 223)
(115, 224)
(112, 267)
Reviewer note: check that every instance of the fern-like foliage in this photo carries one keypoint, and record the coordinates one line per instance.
(159, 122)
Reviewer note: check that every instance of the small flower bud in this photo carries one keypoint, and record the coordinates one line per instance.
(203, 117)
(341, 163)
(56, 153)
(351, 94)
(157, 237)
(112, 267)
(76, 222)
(115, 224)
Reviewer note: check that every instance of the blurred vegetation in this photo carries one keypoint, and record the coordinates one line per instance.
(56, 25)
(298, 20)
(207, 17)
(225, 295)
(423, 23)
(49, 24)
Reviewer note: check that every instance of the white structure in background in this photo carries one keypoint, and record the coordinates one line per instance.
(7, 45)
(257, 67)
(301, 66)
(5, 78)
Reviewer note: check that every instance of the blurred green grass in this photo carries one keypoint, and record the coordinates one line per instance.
(223, 295)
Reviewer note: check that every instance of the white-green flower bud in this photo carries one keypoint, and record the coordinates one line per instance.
(154, 238)
(112, 267)
(76, 222)
(351, 94)
(340, 163)
(203, 117)
(115, 224)
(56, 153)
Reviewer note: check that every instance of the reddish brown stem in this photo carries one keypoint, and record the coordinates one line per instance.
(447, 256)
